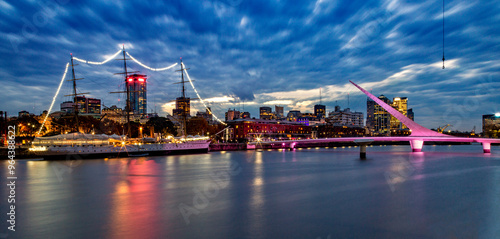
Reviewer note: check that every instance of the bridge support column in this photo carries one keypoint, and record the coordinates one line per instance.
(362, 151)
(362, 147)
(486, 147)
(292, 145)
(416, 145)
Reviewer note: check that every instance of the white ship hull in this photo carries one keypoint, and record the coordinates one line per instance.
(91, 151)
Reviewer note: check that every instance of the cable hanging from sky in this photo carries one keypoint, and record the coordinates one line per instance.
(54, 99)
(199, 97)
(98, 63)
(150, 68)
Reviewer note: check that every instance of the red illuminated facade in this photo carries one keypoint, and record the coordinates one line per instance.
(250, 129)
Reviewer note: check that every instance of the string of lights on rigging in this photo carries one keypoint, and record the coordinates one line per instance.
(147, 67)
(136, 61)
(202, 101)
(98, 63)
(54, 99)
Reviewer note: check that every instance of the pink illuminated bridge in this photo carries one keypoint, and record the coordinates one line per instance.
(419, 134)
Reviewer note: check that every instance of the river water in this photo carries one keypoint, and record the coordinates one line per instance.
(444, 192)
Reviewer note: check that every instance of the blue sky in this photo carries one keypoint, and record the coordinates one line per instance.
(261, 53)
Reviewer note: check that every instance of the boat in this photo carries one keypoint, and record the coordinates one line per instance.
(78, 145)
(81, 146)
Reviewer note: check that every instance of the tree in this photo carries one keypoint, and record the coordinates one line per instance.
(160, 125)
(109, 127)
(88, 124)
(27, 125)
(197, 126)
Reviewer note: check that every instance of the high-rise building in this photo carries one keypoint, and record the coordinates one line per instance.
(279, 112)
(410, 114)
(319, 111)
(491, 125)
(370, 114)
(401, 105)
(379, 121)
(136, 84)
(93, 106)
(381, 117)
(81, 102)
(182, 107)
(85, 105)
(266, 113)
(232, 114)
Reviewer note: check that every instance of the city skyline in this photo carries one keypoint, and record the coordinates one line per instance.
(261, 53)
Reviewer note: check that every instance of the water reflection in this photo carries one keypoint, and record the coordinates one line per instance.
(136, 198)
(257, 198)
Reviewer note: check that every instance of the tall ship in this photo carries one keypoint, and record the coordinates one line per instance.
(78, 145)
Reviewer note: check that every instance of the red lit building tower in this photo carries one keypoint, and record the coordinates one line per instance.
(136, 85)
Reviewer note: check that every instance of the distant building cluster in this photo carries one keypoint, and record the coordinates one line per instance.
(294, 125)
(346, 117)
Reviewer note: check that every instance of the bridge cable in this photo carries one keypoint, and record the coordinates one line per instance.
(443, 34)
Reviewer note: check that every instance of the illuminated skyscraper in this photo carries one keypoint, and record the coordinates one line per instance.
(370, 114)
(401, 105)
(381, 118)
(136, 84)
(182, 106)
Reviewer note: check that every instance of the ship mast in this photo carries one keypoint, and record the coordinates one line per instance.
(127, 90)
(75, 95)
(184, 115)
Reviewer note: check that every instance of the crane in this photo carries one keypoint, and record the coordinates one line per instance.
(442, 128)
